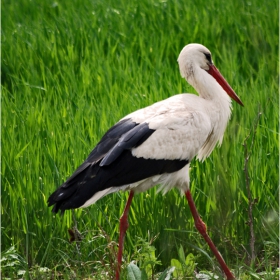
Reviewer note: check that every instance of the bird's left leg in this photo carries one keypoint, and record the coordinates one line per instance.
(123, 229)
(201, 227)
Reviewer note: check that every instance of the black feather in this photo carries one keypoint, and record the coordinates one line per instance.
(111, 164)
(132, 139)
(127, 169)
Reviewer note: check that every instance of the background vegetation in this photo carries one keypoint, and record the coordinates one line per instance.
(70, 70)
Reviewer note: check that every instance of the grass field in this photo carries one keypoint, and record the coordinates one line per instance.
(70, 70)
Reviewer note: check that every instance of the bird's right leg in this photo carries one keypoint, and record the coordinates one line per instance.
(123, 228)
(201, 227)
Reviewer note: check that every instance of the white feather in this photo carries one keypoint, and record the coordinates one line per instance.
(97, 196)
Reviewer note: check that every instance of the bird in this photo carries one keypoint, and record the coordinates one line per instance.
(155, 146)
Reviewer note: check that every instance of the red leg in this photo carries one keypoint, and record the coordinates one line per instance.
(201, 227)
(123, 228)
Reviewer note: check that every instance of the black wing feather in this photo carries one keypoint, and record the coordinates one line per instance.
(124, 171)
(110, 138)
(111, 164)
(107, 142)
(132, 139)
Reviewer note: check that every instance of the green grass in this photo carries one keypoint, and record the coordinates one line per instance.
(71, 69)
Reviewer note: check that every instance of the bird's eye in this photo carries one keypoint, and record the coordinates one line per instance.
(208, 57)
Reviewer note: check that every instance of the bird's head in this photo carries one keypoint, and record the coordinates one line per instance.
(196, 56)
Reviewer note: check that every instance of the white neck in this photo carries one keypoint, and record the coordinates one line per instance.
(218, 106)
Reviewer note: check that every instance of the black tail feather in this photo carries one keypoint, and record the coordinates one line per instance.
(127, 169)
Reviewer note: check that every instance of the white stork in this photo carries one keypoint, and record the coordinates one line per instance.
(155, 145)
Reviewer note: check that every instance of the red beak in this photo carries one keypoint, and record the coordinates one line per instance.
(214, 72)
